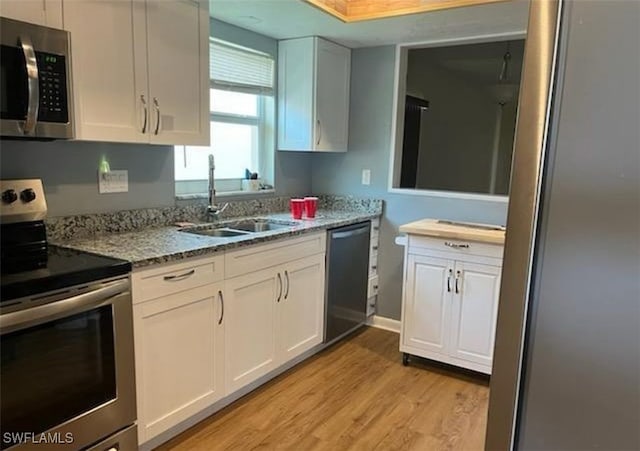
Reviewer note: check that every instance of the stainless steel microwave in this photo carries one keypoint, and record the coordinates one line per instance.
(36, 93)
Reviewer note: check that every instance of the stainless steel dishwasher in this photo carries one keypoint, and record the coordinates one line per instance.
(347, 273)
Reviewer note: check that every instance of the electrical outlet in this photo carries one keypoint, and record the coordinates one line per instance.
(366, 176)
(113, 182)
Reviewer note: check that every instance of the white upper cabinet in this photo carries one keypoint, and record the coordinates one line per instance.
(313, 95)
(109, 69)
(140, 70)
(39, 12)
(178, 56)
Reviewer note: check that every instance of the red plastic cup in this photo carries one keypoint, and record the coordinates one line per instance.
(297, 208)
(311, 206)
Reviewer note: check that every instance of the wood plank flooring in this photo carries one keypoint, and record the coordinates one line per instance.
(355, 395)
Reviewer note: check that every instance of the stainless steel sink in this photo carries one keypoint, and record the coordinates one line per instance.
(231, 229)
(260, 225)
(216, 232)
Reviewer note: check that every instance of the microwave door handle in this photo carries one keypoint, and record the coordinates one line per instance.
(33, 88)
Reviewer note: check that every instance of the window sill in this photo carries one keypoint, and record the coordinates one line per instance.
(226, 194)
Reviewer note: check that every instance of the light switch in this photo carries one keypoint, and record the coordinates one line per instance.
(113, 182)
(366, 176)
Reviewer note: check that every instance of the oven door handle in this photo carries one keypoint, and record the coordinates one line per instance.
(33, 84)
(103, 295)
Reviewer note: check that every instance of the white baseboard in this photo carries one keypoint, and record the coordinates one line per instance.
(380, 322)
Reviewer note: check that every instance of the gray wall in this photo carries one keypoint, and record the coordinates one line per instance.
(372, 81)
(582, 370)
(456, 139)
(69, 169)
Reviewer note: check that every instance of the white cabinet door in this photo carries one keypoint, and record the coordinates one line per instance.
(250, 326)
(301, 309)
(178, 57)
(332, 97)
(39, 12)
(295, 94)
(108, 40)
(427, 303)
(475, 308)
(179, 347)
(313, 95)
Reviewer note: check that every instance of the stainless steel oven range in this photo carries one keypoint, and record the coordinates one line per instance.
(66, 337)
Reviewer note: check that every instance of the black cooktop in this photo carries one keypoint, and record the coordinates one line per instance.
(64, 268)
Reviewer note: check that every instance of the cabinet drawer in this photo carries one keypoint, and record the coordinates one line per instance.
(454, 246)
(375, 229)
(373, 264)
(372, 289)
(255, 258)
(169, 279)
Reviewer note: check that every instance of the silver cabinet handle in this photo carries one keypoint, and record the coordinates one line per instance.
(221, 306)
(280, 284)
(177, 277)
(456, 246)
(318, 132)
(449, 280)
(33, 87)
(146, 113)
(156, 105)
(458, 281)
(286, 276)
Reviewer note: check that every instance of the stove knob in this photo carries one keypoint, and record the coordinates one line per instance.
(27, 195)
(9, 196)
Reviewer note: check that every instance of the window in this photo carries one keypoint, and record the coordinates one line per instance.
(241, 115)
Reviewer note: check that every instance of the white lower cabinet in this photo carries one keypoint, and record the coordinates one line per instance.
(206, 327)
(427, 304)
(179, 357)
(450, 305)
(474, 312)
(273, 315)
(250, 327)
(301, 309)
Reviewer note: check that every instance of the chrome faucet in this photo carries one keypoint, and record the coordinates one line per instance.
(213, 210)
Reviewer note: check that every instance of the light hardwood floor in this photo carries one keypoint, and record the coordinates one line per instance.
(355, 395)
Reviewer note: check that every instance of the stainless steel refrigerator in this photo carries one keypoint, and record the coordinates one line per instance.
(566, 372)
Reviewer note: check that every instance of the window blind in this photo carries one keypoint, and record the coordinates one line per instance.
(240, 69)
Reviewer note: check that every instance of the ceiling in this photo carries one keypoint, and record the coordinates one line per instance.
(284, 19)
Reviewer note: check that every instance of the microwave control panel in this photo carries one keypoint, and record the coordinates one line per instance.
(52, 73)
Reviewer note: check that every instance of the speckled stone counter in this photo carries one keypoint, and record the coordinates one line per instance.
(166, 243)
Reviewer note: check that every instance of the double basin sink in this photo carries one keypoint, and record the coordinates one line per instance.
(239, 228)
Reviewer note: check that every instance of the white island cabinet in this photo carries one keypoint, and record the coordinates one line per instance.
(140, 70)
(451, 292)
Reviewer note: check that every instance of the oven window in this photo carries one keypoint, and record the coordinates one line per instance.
(56, 371)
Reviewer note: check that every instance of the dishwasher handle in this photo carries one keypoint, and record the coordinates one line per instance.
(350, 233)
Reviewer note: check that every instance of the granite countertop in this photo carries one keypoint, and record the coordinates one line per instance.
(156, 245)
(484, 233)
